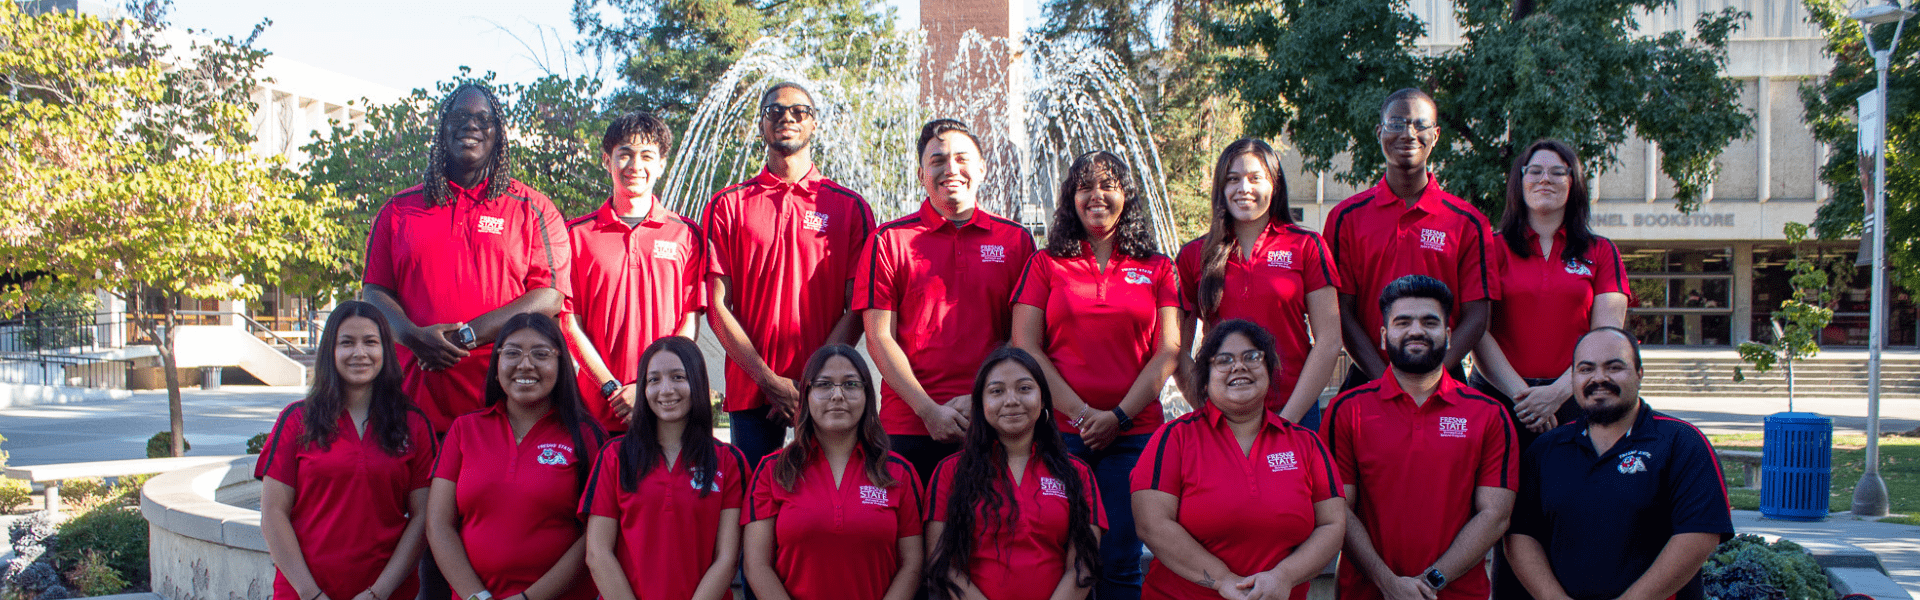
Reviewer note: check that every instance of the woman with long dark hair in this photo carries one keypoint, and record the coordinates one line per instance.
(1254, 263)
(344, 474)
(1557, 280)
(834, 515)
(502, 516)
(663, 509)
(1014, 514)
(1099, 309)
(1234, 501)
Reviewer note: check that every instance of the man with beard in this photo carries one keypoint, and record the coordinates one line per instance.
(1428, 464)
(782, 248)
(1626, 503)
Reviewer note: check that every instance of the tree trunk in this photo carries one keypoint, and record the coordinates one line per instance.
(176, 420)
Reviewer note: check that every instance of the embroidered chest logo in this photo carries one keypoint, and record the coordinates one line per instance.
(712, 486)
(1577, 268)
(1139, 276)
(873, 495)
(1280, 258)
(993, 254)
(1052, 487)
(493, 225)
(1634, 461)
(1433, 239)
(1282, 461)
(557, 455)
(665, 250)
(1453, 427)
(816, 221)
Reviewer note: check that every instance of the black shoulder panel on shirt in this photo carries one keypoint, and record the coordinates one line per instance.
(911, 483)
(279, 429)
(540, 217)
(1167, 433)
(1340, 218)
(1474, 216)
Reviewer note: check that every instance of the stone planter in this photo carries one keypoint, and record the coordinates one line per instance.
(204, 533)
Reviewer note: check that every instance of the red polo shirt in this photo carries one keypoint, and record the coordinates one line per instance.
(949, 286)
(1101, 324)
(1270, 289)
(667, 526)
(1249, 509)
(1028, 561)
(1376, 238)
(454, 262)
(790, 249)
(631, 286)
(840, 542)
(1414, 470)
(518, 502)
(349, 499)
(1543, 348)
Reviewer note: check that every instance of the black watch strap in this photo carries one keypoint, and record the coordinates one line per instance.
(1436, 579)
(607, 389)
(1126, 422)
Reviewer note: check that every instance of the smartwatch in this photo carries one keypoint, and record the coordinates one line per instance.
(1126, 422)
(464, 338)
(1436, 579)
(607, 389)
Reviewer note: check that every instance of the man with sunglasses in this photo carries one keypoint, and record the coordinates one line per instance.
(782, 247)
(1407, 225)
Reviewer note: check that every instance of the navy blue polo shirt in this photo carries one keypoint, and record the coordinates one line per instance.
(1604, 517)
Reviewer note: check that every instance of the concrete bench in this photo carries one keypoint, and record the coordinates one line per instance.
(51, 475)
(1749, 464)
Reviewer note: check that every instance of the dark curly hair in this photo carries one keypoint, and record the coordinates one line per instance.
(648, 129)
(1257, 336)
(386, 413)
(868, 435)
(498, 173)
(565, 396)
(982, 486)
(1135, 235)
(642, 451)
(1220, 242)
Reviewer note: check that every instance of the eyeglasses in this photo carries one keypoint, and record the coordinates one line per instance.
(1225, 360)
(799, 112)
(1555, 172)
(539, 354)
(1399, 125)
(826, 387)
(456, 120)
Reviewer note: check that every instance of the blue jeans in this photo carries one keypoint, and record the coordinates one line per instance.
(1120, 575)
(756, 435)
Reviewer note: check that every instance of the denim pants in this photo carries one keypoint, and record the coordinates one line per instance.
(756, 435)
(1120, 575)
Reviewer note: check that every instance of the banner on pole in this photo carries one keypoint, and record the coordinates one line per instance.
(1872, 131)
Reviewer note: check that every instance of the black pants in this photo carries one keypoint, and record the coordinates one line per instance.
(923, 453)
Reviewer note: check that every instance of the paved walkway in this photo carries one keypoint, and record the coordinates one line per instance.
(1897, 545)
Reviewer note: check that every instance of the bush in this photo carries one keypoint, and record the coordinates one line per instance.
(257, 444)
(93, 576)
(1748, 567)
(84, 489)
(13, 493)
(117, 531)
(161, 445)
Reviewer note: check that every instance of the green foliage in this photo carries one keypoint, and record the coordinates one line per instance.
(116, 531)
(1316, 71)
(1830, 108)
(13, 493)
(60, 321)
(669, 51)
(1800, 317)
(84, 489)
(257, 443)
(92, 575)
(1748, 567)
(554, 136)
(161, 445)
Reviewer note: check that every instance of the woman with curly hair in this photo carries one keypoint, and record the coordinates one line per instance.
(1256, 264)
(344, 474)
(1099, 310)
(1015, 516)
(835, 514)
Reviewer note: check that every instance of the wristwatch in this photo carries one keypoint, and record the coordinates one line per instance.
(1436, 579)
(1125, 421)
(607, 389)
(464, 338)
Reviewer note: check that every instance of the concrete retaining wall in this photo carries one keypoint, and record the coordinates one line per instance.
(200, 547)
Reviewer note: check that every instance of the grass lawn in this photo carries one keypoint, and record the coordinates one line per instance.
(1899, 467)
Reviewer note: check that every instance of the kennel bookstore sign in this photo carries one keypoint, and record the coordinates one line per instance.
(1727, 220)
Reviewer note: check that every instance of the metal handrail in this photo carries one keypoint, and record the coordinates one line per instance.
(256, 325)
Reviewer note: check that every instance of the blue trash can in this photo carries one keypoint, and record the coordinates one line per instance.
(1796, 467)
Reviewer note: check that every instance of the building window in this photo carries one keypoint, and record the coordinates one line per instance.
(1681, 296)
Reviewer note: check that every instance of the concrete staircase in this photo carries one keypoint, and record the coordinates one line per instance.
(1832, 374)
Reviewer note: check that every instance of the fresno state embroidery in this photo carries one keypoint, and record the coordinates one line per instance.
(665, 250)
(1282, 461)
(1136, 275)
(554, 454)
(1455, 427)
(816, 221)
(1280, 258)
(1433, 239)
(493, 225)
(1634, 461)
(873, 495)
(1575, 267)
(1052, 487)
(993, 253)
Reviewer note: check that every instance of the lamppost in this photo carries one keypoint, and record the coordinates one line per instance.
(1870, 495)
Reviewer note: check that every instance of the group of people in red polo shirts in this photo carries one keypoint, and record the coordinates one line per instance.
(517, 407)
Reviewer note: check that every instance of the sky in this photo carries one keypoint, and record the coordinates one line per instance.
(406, 44)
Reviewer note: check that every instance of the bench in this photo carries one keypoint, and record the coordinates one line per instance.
(52, 475)
(1749, 464)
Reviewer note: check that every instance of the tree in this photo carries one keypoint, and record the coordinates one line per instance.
(1577, 71)
(1830, 111)
(1798, 323)
(124, 165)
(669, 51)
(555, 125)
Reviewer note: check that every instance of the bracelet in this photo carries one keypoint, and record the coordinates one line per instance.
(318, 594)
(376, 595)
